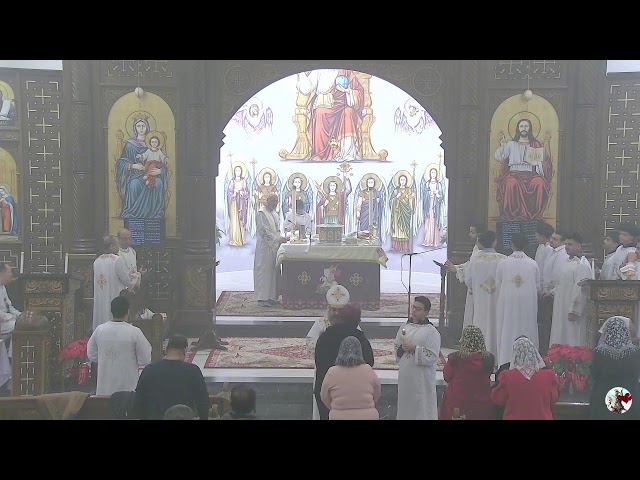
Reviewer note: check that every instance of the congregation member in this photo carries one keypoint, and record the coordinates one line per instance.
(417, 347)
(179, 412)
(480, 278)
(518, 286)
(468, 376)
(110, 277)
(243, 404)
(169, 382)
(266, 275)
(615, 363)
(474, 231)
(527, 390)
(328, 345)
(611, 246)
(119, 349)
(9, 313)
(351, 388)
(301, 222)
(337, 297)
(569, 322)
(624, 259)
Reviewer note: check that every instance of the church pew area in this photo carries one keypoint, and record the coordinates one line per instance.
(92, 408)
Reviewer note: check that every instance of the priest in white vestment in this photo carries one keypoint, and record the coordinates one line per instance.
(265, 273)
(119, 349)
(558, 254)
(301, 222)
(337, 297)
(625, 258)
(611, 246)
(518, 285)
(110, 277)
(417, 347)
(480, 278)
(130, 257)
(569, 324)
(459, 270)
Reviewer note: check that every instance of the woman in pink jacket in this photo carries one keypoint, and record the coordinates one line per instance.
(351, 387)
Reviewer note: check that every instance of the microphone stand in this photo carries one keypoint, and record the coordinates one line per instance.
(410, 255)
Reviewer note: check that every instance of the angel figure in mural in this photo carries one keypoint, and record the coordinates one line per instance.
(334, 109)
(526, 170)
(402, 203)
(433, 195)
(264, 184)
(253, 117)
(412, 118)
(8, 211)
(236, 206)
(332, 200)
(370, 211)
(138, 199)
(297, 188)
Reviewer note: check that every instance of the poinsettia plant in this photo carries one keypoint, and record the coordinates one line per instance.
(571, 364)
(74, 358)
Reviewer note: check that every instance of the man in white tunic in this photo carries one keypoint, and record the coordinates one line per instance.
(110, 277)
(518, 285)
(130, 258)
(459, 270)
(301, 223)
(569, 324)
(480, 278)
(417, 347)
(337, 297)
(543, 237)
(625, 258)
(611, 246)
(265, 273)
(119, 349)
(631, 271)
(8, 313)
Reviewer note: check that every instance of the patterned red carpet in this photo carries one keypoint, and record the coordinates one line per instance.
(236, 303)
(263, 352)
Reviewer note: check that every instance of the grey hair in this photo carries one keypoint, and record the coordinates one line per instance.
(331, 315)
(350, 353)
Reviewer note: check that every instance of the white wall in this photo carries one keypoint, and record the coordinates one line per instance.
(34, 64)
(623, 66)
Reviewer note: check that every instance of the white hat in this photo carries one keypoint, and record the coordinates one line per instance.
(337, 296)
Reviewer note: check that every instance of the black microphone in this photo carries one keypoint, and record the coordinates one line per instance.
(441, 265)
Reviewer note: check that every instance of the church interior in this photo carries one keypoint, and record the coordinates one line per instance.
(244, 204)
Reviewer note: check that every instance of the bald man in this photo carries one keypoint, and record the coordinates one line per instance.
(130, 257)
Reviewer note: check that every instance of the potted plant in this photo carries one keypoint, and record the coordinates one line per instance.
(572, 365)
(75, 362)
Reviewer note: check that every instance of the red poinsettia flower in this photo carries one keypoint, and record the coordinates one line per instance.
(75, 350)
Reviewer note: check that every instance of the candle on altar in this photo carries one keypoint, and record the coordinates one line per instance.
(21, 262)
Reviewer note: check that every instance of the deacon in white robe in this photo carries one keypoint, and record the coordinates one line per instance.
(556, 257)
(543, 236)
(518, 285)
(8, 313)
(611, 246)
(119, 349)
(110, 277)
(130, 257)
(631, 271)
(417, 347)
(265, 273)
(301, 222)
(569, 323)
(480, 278)
(625, 258)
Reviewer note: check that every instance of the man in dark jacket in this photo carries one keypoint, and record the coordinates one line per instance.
(345, 325)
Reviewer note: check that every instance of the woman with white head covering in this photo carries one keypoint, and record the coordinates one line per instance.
(615, 363)
(527, 390)
(351, 388)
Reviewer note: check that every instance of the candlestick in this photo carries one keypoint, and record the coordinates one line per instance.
(21, 262)
(66, 263)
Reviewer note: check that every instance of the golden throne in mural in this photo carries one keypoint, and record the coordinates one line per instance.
(302, 148)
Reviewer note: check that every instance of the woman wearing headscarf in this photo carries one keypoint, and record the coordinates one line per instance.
(615, 363)
(351, 388)
(527, 390)
(468, 376)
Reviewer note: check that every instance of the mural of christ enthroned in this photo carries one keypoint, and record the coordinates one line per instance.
(333, 117)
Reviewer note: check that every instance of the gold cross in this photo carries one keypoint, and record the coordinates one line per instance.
(45, 181)
(609, 142)
(609, 171)
(626, 99)
(606, 228)
(624, 128)
(30, 110)
(253, 162)
(46, 238)
(230, 155)
(637, 172)
(414, 164)
(44, 153)
(606, 199)
(635, 200)
(304, 278)
(58, 168)
(57, 139)
(623, 158)
(58, 196)
(637, 143)
(30, 138)
(46, 210)
(57, 110)
(42, 96)
(518, 281)
(32, 252)
(440, 156)
(612, 114)
(32, 223)
(337, 294)
(620, 215)
(58, 223)
(621, 186)
(356, 279)
(59, 251)
(46, 265)
(31, 195)
(32, 168)
(43, 125)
